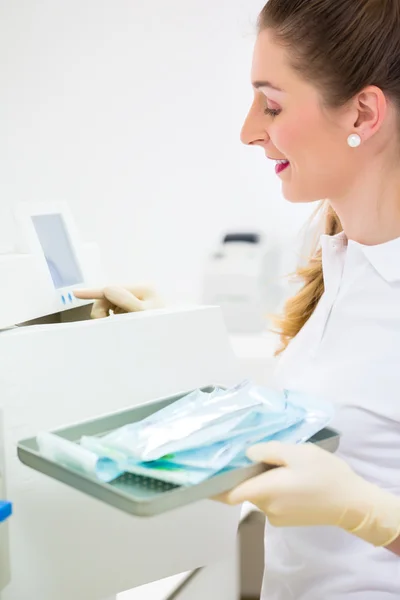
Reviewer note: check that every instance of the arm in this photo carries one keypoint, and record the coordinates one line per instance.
(313, 487)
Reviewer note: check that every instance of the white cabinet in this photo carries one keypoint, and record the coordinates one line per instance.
(67, 545)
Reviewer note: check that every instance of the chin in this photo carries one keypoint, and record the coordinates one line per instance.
(296, 196)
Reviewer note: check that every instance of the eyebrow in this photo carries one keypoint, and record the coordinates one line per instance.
(263, 84)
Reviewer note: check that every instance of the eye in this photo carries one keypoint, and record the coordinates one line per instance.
(272, 112)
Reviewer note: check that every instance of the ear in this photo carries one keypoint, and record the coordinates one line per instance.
(369, 109)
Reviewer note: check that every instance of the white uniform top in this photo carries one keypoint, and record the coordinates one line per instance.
(348, 353)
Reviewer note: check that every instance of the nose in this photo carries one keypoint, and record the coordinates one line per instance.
(253, 129)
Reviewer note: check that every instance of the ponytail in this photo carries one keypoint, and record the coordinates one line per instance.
(299, 309)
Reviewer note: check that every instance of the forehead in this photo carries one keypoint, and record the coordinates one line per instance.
(271, 64)
(270, 60)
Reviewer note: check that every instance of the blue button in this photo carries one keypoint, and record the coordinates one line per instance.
(63, 299)
(5, 510)
(70, 297)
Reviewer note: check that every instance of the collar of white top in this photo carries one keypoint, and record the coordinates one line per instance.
(385, 258)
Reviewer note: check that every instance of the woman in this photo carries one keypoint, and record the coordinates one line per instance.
(326, 79)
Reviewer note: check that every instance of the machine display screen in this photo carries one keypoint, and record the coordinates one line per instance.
(57, 249)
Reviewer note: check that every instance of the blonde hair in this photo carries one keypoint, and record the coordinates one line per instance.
(299, 309)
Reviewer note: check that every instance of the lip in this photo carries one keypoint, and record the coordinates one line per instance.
(279, 167)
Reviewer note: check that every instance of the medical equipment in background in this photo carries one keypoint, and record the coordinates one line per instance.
(243, 277)
(49, 261)
(62, 368)
(5, 512)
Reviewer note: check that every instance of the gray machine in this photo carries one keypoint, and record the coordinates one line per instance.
(243, 277)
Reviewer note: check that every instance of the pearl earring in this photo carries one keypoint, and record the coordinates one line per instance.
(354, 140)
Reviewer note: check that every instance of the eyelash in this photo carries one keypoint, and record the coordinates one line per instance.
(272, 112)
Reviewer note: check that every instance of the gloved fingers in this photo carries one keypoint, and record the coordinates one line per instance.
(114, 298)
(148, 295)
(142, 291)
(123, 299)
(257, 489)
(89, 294)
(222, 498)
(272, 453)
(101, 309)
(289, 455)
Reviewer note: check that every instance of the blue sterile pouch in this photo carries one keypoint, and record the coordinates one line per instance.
(192, 439)
(205, 433)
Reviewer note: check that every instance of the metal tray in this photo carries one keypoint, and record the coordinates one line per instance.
(135, 494)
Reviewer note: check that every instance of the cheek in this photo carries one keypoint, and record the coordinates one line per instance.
(290, 131)
(287, 139)
(304, 136)
(315, 147)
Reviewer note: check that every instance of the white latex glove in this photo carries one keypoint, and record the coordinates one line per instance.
(314, 487)
(119, 299)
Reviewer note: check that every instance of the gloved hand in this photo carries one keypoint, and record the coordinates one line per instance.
(314, 487)
(120, 299)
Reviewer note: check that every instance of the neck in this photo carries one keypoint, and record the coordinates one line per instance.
(370, 214)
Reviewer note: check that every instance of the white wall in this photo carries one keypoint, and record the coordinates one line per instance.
(130, 110)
